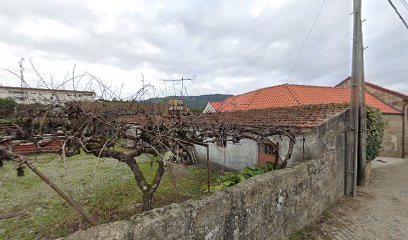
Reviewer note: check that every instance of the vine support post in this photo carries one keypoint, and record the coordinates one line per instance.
(67, 198)
(208, 169)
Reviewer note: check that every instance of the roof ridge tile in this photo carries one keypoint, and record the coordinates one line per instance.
(295, 97)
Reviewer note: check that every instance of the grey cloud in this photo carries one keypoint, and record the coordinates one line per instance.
(220, 40)
(70, 12)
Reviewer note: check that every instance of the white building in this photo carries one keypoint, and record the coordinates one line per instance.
(44, 96)
(317, 128)
(212, 107)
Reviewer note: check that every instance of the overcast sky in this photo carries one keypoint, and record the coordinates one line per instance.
(230, 46)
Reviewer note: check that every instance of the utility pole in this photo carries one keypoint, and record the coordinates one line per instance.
(362, 134)
(20, 64)
(23, 84)
(357, 135)
(143, 88)
(177, 105)
(182, 80)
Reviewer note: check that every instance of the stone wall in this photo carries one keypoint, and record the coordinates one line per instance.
(392, 140)
(251, 210)
(268, 206)
(390, 99)
(400, 104)
(316, 141)
(390, 137)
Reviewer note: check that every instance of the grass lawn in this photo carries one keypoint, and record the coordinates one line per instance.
(105, 187)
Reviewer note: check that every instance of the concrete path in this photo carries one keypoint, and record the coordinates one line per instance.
(380, 211)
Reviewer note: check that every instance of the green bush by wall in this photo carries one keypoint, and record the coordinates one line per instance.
(375, 132)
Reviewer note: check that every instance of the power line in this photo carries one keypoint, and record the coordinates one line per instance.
(405, 4)
(307, 37)
(398, 13)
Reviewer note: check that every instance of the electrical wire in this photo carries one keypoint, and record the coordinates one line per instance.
(307, 37)
(405, 4)
(398, 13)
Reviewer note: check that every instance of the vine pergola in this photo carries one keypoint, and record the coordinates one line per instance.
(96, 131)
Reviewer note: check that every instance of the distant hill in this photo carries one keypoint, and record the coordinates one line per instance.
(196, 102)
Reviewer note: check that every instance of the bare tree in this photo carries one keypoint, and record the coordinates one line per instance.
(95, 128)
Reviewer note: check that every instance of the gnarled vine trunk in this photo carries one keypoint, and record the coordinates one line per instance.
(147, 203)
(147, 189)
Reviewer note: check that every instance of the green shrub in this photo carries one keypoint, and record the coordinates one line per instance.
(254, 171)
(232, 178)
(375, 132)
(269, 166)
(7, 106)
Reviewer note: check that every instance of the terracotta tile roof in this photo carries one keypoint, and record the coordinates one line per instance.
(295, 95)
(304, 116)
(216, 105)
(299, 117)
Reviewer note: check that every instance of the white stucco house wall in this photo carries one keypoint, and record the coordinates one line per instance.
(212, 107)
(24, 95)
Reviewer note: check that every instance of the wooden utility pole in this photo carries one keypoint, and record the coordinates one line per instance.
(357, 137)
(362, 134)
